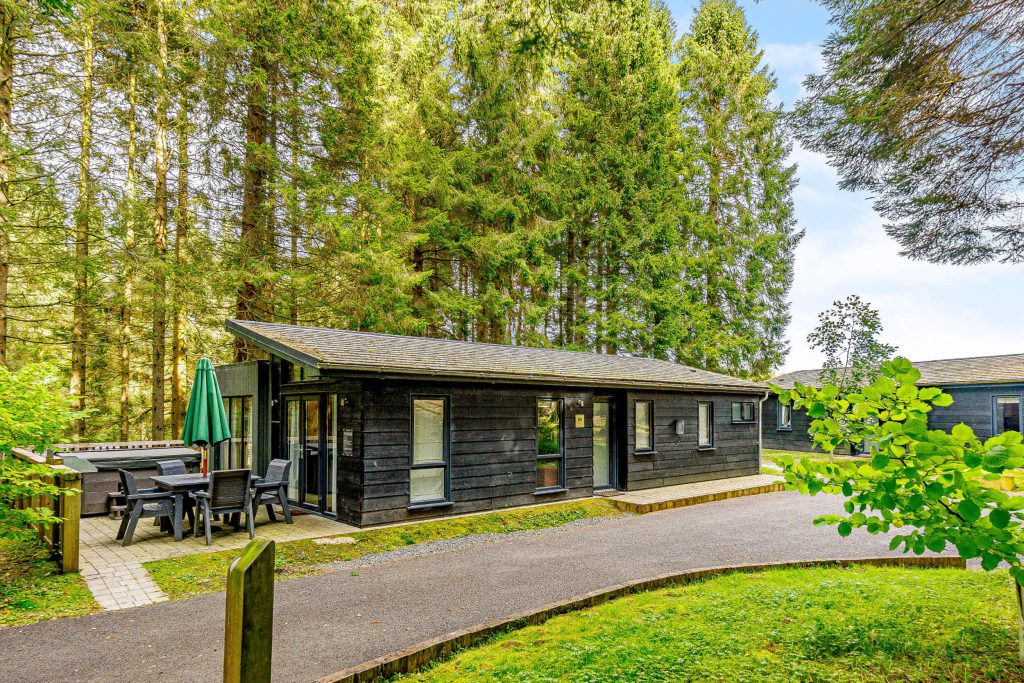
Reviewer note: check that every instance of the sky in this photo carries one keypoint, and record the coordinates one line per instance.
(928, 311)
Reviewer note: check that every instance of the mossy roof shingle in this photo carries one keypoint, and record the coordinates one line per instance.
(387, 354)
(1008, 369)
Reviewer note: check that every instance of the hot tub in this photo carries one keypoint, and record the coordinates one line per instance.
(99, 468)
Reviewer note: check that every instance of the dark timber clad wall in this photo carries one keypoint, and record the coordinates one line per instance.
(493, 448)
(795, 439)
(676, 459)
(972, 405)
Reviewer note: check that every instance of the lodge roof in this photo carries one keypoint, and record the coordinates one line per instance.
(389, 354)
(1007, 369)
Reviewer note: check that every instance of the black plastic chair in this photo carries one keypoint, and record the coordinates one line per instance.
(273, 488)
(228, 494)
(168, 467)
(141, 504)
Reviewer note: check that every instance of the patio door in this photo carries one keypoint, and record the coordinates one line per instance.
(605, 463)
(311, 437)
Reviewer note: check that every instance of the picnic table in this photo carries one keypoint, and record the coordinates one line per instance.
(180, 485)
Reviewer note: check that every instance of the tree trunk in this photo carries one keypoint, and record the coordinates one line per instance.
(159, 356)
(80, 319)
(1019, 597)
(253, 181)
(128, 274)
(7, 28)
(178, 367)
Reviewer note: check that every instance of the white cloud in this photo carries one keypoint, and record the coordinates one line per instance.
(929, 311)
(793, 59)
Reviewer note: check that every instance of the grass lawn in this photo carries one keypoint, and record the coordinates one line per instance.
(183, 577)
(32, 589)
(854, 624)
(772, 459)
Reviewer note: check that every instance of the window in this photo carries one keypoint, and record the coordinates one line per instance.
(549, 444)
(643, 425)
(1006, 414)
(236, 452)
(785, 413)
(428, 476)
(705, 424)
(742, 411)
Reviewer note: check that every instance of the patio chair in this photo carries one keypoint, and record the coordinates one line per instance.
(228, 494)
(141, 504)
(273, 488)
(168, 467)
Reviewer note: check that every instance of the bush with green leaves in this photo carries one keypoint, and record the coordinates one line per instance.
(926, 484)
(34, 413)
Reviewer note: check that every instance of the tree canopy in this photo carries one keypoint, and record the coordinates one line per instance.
(570, 174)
(922, 105)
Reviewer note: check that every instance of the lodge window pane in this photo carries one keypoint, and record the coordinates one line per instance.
(643, 414)
(742, 411)
(429, 469)
(1007, 414)
(785, 416)
(428, 430)
(550, 458)
(426, 485)
(705, 424)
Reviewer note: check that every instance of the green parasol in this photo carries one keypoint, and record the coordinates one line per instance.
(206, 424)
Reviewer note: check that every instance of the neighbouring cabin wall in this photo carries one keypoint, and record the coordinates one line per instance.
(676, 458)
(493, 447)
(795, 439)
(972, 405)
(252, 378)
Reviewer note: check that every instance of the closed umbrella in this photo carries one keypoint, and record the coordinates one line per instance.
(206, 424)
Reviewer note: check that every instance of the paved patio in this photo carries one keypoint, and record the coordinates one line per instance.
(115, 574)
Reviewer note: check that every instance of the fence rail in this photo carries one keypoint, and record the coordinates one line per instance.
(62, 538)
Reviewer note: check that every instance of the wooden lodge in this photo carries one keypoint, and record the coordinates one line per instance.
(987, 391)
(384, 428)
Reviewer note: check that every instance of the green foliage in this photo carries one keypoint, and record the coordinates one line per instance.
(916, 107)
(847, 334)
(33, 414)
(739, 234)
(183, 577)
(925, 484)
(838, 625)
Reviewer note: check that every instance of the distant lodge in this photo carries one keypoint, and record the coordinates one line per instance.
(384, 428)
(987, 391)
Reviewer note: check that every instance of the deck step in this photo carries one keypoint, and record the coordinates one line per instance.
(684, 495)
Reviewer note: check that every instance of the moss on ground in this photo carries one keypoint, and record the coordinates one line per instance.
(33, 589)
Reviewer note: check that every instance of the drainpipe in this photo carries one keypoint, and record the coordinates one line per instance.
(760, 430)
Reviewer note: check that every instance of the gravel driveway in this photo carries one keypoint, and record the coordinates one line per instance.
(369, 608)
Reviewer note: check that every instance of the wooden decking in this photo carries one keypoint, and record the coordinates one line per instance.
(683, 495)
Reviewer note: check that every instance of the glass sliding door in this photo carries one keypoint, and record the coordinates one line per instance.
(294, 445)
(602, 444)
(311, 440)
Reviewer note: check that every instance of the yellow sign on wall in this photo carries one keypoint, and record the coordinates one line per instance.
(580, 421)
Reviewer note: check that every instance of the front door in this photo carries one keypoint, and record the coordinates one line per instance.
(604, 444)
(311, 439)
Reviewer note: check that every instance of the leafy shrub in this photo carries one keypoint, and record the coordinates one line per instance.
(34, 413)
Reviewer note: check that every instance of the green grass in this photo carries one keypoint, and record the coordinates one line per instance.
(772, 459)
(183, 577)
(32, 589)
(834, 624)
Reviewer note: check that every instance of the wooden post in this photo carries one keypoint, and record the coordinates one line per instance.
(249, 616)
(70, 512)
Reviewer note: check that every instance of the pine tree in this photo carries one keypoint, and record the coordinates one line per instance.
(743, 239)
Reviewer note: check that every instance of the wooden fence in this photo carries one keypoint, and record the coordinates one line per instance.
(62, 538)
